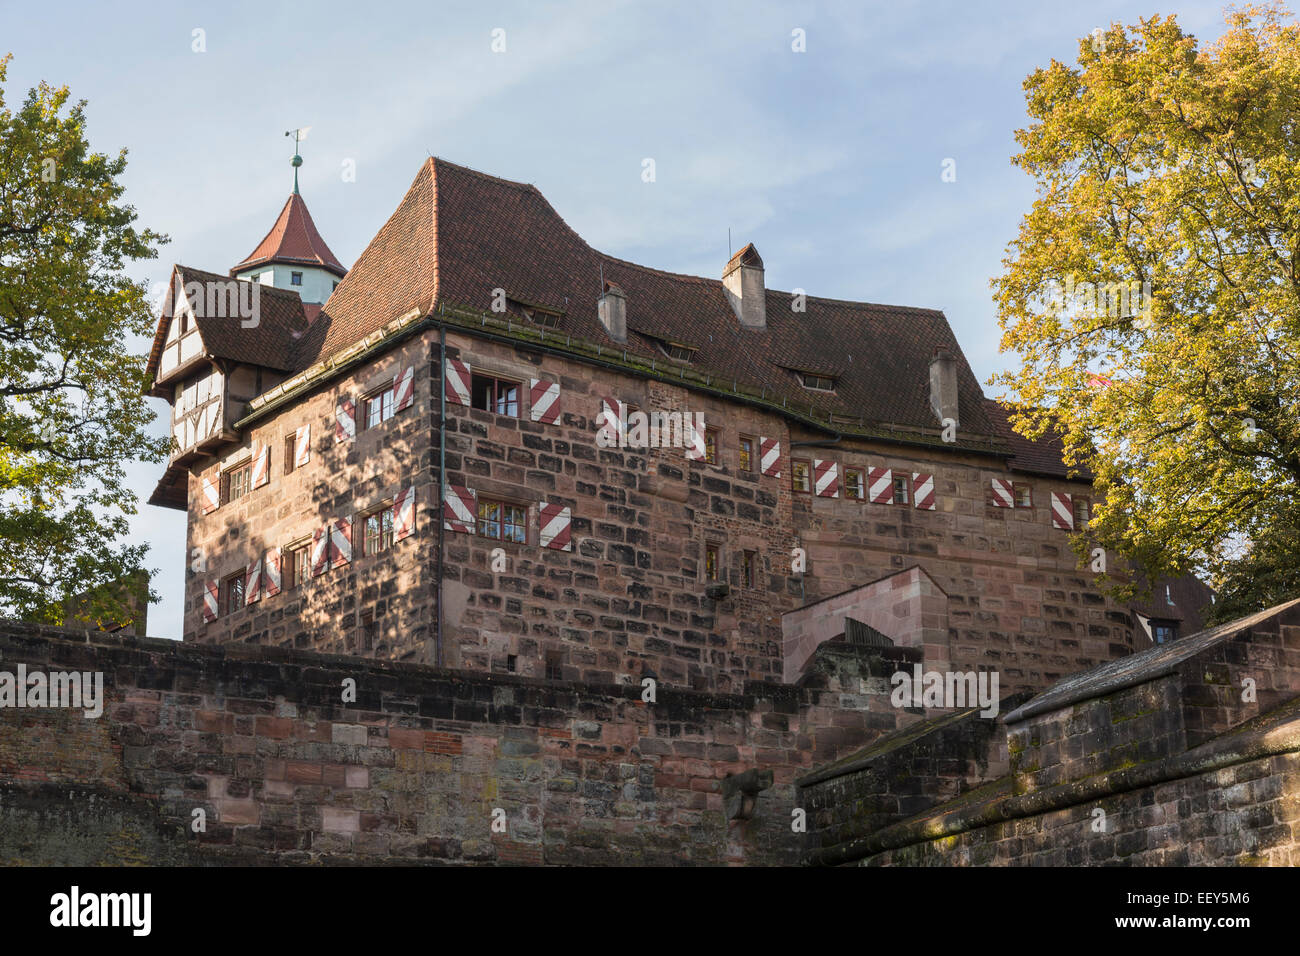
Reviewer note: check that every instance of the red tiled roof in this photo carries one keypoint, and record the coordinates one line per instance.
(458, 234)
(280, 321)
(293, 240)
(1041, 457)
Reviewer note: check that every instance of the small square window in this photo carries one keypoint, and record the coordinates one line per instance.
(234, 591)
(238, 482)
(1082, 513)
(1024, 495)
(799, 475)
(494, 395)
(502, 521)
(901, 490)
(295, 278)
(746, 454)
(378, 534)
(379, 408)
(711, 446)
(554, 665)
(298, 565)
(853, 483)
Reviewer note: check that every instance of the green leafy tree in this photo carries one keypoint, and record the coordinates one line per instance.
(1153, 298)
(72, 406)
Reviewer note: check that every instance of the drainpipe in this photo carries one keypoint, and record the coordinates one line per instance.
(442, 476)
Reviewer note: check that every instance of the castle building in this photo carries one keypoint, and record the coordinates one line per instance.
(489, 446)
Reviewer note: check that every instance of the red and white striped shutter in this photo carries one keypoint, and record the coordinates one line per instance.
(880, 486)
(1063, 511)
(271, 572)
(253, 582)
(345, 421)
(826, 478)
(211, 499)
(320, 550)
(341, 542)
(261, 466)
(456, 378)
(613, 418)
(769, 457)
(301, 446)
(404, 514)
(923, 491)
(1004, 495)
(555, 526)
(211, 600)
(544, 401)
(459, 509)
(404, 389)
(694, 438)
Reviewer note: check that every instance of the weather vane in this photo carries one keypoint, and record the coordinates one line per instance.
(298, 136)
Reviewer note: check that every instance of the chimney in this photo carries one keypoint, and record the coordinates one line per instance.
(612, 307)
(943, 385)
(743, 281)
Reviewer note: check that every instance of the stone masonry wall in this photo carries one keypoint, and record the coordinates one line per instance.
(629, 599)
(286, 771)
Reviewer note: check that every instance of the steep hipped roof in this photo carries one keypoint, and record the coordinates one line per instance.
(293, 240)
(458, 235)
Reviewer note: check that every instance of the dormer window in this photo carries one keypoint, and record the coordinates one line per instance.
(547, 320)
(818, 383)
(676, 351)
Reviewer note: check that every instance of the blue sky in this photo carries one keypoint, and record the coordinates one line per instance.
(829, 160)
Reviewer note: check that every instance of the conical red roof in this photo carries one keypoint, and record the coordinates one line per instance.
(294, 240)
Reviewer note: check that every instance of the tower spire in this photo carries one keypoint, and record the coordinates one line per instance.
(298, 136)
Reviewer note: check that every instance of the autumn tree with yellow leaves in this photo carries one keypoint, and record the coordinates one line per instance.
(1152, 295)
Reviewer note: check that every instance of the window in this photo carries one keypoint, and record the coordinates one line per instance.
(821, 383)
(369, 630)
(336, 285)
(1024, 495)
(1082, 513)
(378, 533)
(900, 490)
(677, 351)
(502, 521)
(1162, 632)
(234, 591)
(748, 560)
(298, 565)
(711, 445)
(239, 481)
(746, 453)
(378, 407)
(711, 565)
(512, 662)
(290, 448)
(494, 395)
(799, 474)
(548, 320)
(554, 665)
(295, 278)
(853, 483)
